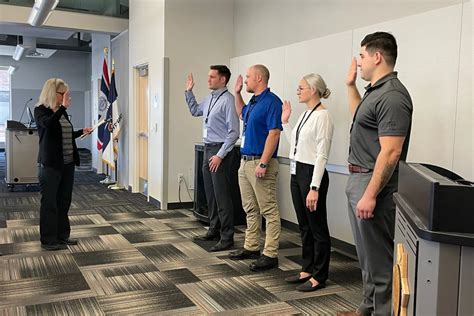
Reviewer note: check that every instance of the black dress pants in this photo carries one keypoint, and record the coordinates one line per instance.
(316, 242)
(56, 194)
(217, 186)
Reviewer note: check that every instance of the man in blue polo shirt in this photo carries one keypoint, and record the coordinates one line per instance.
(259, 167)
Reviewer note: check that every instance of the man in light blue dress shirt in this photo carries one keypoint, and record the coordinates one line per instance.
(220, 132)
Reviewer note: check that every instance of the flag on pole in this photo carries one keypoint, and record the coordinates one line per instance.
(112, 125)
(103, 103)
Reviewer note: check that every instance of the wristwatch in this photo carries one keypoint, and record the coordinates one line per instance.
(314, 188)
(263, 165)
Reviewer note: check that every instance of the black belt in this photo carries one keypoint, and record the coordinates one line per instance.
(249, 158)
(212, 144)
(358, 169)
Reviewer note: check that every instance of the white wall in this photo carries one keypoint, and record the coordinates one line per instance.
(146, 36)
(29, 78)
(120, 54)
(442, 132)
(264, 24)
(197, 34)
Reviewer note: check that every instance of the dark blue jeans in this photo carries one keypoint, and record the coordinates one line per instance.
(56, 194)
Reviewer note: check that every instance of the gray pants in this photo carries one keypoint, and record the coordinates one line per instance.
(218, 193)
(374, 243)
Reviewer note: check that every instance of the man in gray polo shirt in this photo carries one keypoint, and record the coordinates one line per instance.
(379, 138)
(220, 132)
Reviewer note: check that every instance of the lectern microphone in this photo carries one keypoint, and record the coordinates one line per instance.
(24, 108)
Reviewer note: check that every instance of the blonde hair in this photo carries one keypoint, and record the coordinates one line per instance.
(48, 94)
(317, 83)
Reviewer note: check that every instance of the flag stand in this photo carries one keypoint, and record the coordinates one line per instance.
(107, 179)
(116, 185)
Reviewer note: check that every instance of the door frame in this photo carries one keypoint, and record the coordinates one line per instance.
(134, 163)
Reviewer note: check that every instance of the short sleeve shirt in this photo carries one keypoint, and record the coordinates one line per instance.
(260, 115)
(385, 110)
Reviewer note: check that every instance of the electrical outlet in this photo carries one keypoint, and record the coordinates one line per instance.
(180, 177)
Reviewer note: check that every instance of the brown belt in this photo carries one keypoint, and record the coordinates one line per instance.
(357, 169)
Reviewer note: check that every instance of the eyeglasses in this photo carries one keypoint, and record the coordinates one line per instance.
(61, 93)
(301, 88)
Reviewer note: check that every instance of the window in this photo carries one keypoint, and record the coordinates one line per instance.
(4, 102)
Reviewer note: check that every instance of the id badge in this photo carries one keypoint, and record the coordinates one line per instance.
(293, 166)
(242, 144)
(204, 133)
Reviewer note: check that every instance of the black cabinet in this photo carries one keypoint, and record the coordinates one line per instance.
(200, 202)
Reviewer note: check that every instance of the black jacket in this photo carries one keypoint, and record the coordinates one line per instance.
(51, 137)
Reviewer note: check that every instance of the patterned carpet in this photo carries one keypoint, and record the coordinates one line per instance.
(135, 259)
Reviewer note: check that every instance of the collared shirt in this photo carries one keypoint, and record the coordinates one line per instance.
(385, 110)
(260, 115)
(220, 120)
(314, 141)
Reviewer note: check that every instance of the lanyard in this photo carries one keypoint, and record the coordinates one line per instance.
(302, 123)
(247, 115)
(211, 105)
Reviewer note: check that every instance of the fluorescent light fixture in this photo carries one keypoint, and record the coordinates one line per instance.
(41, 11)
(12, 69)
(20, 51)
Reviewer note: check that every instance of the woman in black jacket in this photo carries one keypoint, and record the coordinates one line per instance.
(57, 158)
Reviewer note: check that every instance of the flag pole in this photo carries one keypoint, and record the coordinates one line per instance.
(116, 185)
(107, 178)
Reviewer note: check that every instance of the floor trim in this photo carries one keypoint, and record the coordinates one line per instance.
(180, 205)
(153, 201)
(338, 245)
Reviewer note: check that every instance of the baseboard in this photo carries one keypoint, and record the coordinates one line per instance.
(153, 201)
(337, 244)
(180, 205)
(344, 247)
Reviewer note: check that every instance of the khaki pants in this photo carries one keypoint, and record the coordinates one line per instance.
(259, 199)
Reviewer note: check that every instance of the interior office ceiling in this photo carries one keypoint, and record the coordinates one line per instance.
(31, 31)
(50, 39)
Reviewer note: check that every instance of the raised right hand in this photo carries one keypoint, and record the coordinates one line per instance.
(190, 82)
(239, 84)
(66, 99)
(352, 73)
(286, 112)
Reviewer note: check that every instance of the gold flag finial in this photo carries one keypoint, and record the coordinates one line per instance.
(106, 51)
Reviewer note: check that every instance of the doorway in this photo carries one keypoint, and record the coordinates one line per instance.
(142, 137)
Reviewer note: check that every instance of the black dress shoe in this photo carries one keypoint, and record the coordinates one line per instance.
(308, 286)
(69, 241)
(264, 263)
(296, 279)
(243, 253)
(222, 245)
(53, 247)
(208, 236)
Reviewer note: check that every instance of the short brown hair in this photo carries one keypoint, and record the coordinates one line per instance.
(383, 42)
(223, 71)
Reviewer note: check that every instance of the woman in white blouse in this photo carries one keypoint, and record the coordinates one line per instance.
(310, 144)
